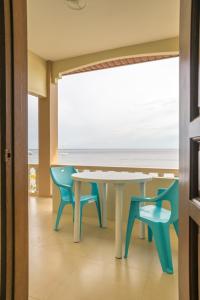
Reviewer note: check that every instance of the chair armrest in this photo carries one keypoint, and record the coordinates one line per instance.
(143, 199)
(64, 186)
(157, 199)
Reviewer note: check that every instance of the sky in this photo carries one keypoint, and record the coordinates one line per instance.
(32, 122)
(126, 107)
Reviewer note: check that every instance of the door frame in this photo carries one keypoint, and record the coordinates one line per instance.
(13, 126)
(184, 152)
(189, 219)
(14, 164)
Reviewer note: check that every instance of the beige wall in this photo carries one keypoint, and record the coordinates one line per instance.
(167, 46)
(48, 134)
(37, 75)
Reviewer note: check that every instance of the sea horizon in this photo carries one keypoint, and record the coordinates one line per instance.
(149, 158)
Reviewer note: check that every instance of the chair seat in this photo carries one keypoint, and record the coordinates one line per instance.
(84, 198)
(154, 213)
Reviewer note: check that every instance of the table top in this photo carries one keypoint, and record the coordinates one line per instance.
(111, 176)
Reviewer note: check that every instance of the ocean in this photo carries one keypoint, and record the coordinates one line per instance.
(138, 158)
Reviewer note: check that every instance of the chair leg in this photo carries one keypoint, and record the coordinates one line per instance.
(129, 229)
(81, 217)
(150, 234)
(59, 213)
(176, 227)
(81, 214)
(162, 241)
(73, 209)
(99, 211)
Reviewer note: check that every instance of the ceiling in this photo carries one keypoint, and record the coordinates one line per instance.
(56, 32)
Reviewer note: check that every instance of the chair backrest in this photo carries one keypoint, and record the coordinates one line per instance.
(62, 175)
(172, 195)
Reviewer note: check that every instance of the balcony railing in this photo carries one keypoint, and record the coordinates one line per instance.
(33, 173)
(33, 170)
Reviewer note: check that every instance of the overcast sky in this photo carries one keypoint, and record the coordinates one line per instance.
(132, 106)
(32, 122)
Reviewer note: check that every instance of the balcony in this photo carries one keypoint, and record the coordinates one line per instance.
(60, 268)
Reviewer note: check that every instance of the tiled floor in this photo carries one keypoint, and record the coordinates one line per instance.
(60, 269)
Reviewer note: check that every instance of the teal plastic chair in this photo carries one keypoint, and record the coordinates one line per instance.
(62, 177)
(158, 220)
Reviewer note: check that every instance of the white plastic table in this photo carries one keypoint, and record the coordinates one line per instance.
(118, 179)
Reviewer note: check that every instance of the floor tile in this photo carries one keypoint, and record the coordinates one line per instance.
(60, 269)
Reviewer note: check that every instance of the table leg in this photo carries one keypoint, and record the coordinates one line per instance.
(103, 197)
(77, 212)
(142, 226)
(118, 220)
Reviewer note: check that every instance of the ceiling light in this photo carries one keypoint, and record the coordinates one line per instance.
(76, 4)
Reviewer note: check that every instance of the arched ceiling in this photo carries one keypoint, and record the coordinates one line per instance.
(55, 32)
(120, 62)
